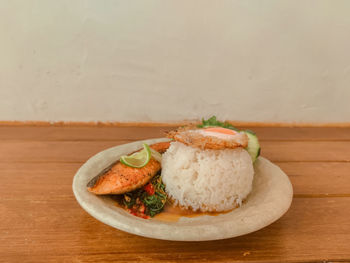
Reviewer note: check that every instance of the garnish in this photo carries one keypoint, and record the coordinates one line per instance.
(147, 201)
(141, 158)
(138, 159)
(213, 122)
(253, 147)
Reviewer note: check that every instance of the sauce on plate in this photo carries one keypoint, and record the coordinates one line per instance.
(174, 213)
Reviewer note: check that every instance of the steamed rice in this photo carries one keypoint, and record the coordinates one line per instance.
(207, 180)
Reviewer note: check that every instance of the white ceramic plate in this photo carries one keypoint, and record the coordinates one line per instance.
(270, 198)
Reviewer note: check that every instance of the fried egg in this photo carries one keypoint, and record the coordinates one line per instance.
(210, 138)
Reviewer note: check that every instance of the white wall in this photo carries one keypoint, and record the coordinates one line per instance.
(276, 61)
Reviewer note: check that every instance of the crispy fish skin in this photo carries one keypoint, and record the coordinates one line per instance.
(119, 178)
(160, 147)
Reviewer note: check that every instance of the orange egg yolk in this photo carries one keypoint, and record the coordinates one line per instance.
(221, 130)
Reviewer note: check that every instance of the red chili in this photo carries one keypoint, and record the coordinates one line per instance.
(133, 213)
(149, 188)
(144, 216)
(139, 213)
(142, 208)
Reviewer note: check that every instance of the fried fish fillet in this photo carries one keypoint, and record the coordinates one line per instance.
(119, 178)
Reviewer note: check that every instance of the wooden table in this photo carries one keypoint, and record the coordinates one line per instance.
(42, 222)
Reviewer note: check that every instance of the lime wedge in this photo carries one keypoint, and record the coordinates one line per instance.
(138, 159)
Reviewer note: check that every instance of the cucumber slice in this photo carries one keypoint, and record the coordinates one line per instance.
(253, 147)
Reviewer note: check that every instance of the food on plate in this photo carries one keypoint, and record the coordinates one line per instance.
(138, 159)
(207, 179)
(147, 201)
(215, 138)
(206, 168)
(253, 147)
(119, 178)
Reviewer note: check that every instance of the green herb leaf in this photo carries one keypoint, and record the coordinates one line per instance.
(213, 122)
(154, 203)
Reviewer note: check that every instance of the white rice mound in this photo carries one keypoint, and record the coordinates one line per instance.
(207, 180)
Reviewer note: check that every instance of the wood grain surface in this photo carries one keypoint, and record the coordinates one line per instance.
(42, 222)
